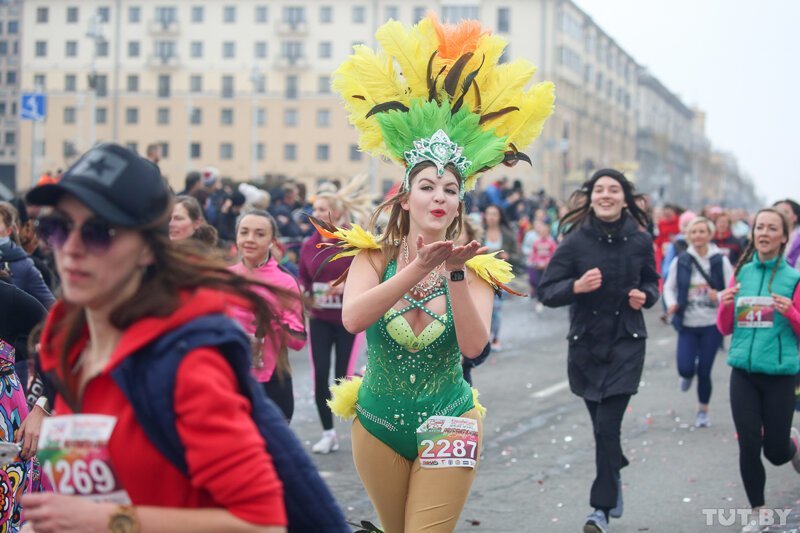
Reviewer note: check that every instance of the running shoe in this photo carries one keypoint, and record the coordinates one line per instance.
(754, 527)
(616, 511)
(796, 458)
(596, 522)
(327, 444)
(702, 420)
(686, 384)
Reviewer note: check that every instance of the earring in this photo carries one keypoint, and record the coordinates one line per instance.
(397, 242)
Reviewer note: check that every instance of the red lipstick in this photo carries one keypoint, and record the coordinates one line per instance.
(438, 213)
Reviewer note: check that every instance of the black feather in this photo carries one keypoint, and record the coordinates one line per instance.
(499, 113)
(468, 80)
(451, 80)
(387, 106)
(432, 90)
(429, 75)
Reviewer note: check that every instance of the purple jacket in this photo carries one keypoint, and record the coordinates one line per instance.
(793, 251)
(315, 276)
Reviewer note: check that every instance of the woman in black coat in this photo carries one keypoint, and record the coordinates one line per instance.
(605, 271)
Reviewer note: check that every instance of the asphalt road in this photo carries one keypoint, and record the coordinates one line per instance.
(538, 457)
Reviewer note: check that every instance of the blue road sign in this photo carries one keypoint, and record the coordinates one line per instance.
(32, 106)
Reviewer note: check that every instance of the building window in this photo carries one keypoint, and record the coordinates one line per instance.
(166, 15)
(325, 48)
(260, 50)
(42, 15)
(134, 15)
(69, 115)
(103, 15)
(226, 117)
(326, 14)
(391, 13)
(226, 151)
(505, 56)
(455, 14)
(72, 15)
(165, 50)
(262, 14)
(292, 50)
(323, 118)
(261, 151)
(229, 49)
(164, 150)
(164, 85)
(100, 85)
(133, 48)
(11, 77)
(504, 19)
(194, 151)
(355, 153)
(290, 152)
(102, 48)
(292, 88)
(323, 152)
(260, 84)
(101, 115)
(227, 87)
(133, 83)
(197, 14)
(359, 14)
(13, 27)
(10, 138)
(69, 149)
(3, 48)
(229, 14)
(324, 84)
(196, 116)
(40, 81)
(70, 83)
(41, 48)
(294, 15)
(290, 117)
(162, 115)
(196, 49)
(71, 49)
(196, 83)
(418, 14)
(261, 116)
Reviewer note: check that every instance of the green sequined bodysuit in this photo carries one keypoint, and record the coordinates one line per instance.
(401, 388)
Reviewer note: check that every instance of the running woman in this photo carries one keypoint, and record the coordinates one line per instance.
(604, 269)
(761, 310)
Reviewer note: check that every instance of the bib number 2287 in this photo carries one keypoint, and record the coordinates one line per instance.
(448, 441)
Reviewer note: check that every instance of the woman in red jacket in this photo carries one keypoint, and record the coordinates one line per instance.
(124, 286)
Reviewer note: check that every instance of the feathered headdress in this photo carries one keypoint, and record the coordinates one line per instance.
(437, 93)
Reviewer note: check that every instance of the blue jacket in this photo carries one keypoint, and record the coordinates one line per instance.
(685, 266)
(24, 273)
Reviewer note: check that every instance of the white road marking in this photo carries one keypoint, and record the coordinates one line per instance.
(549, 391)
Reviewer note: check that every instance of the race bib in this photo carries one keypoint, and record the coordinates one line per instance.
(448, 441)
(323, 299)
(73, 450)
(755, 312)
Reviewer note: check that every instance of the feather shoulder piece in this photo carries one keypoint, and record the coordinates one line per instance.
(349, 240)
(496, 272)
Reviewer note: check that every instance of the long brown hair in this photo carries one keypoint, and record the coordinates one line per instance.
(399, 223)
(178, 266)
(750, 251)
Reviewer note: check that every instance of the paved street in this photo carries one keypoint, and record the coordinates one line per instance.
(538, 459)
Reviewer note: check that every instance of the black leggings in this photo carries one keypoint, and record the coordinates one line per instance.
(761, 402)
(609, 459)
(324, 336)
(281, 392)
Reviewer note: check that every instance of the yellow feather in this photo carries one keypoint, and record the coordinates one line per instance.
(344, 396)
(480, 408)
(487, 266)
(502, 87)
(523, 126)
(411, 48)
(491, 47)
(358, 237)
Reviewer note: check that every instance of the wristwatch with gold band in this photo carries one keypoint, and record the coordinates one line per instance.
(123, 520)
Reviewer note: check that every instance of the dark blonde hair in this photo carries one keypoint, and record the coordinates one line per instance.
(399, 223)
(750, 251)
(10, 217)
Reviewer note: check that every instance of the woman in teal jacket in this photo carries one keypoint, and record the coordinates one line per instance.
(762, 311)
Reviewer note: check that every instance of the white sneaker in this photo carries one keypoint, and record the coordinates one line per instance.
(796, 459)
(327, 444)
(754, 527)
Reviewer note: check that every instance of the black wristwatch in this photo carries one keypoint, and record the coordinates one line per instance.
(456, 275)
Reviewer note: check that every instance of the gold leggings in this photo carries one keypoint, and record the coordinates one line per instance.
(407, 497)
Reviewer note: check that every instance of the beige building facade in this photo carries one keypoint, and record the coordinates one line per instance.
(244, 85)
(10, 28)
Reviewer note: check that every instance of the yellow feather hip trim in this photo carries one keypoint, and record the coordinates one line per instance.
(481, 409)
(344, 396)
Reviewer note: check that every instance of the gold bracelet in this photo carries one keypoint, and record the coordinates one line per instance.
(123, 520)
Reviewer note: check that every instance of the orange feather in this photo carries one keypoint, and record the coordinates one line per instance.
(456, 40)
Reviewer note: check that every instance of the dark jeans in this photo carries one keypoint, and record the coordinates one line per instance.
(281, 392)
(697, 348)
(324, 337)
(609, 459)
(762, 407)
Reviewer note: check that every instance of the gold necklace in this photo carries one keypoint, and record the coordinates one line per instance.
(427, 284)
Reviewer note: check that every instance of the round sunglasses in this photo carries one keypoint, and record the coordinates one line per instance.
(96, 234)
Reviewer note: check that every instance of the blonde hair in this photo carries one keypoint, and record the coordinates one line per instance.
(700, 220)
(351, 200)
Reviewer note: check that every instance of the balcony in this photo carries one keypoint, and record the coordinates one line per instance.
(291, 63)
(292, 29)
(163, 27)
(163, 61)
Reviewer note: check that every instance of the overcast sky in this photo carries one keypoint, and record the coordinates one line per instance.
(736, 60)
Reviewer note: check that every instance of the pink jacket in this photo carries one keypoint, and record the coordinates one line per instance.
(291, 317)
(541, 252)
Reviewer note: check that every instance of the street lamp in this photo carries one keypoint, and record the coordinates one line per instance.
(95, 32)
(257, 79)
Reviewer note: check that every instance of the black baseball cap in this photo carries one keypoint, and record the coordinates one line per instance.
(115, 183)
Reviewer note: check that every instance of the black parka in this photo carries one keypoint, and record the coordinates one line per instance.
(606, 336)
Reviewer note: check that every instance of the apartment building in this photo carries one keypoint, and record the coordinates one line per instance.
(245, 85)
(10, 23)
